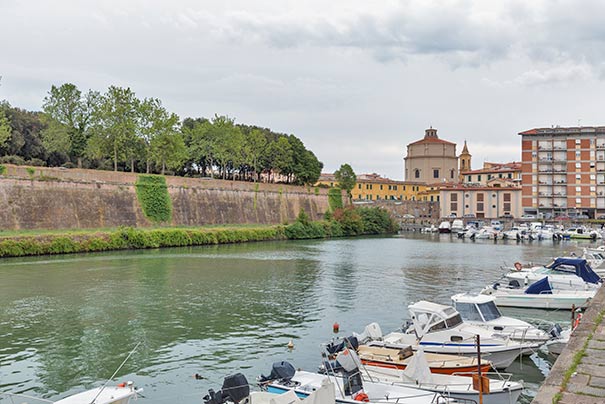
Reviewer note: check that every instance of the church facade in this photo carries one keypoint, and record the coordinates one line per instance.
(432, 160)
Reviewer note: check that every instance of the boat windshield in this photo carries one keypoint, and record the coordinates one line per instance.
(468, 311)
(489, 311)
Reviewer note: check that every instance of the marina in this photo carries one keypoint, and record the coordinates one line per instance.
(220, 310)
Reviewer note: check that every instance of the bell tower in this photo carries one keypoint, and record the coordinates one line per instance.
(465, 161)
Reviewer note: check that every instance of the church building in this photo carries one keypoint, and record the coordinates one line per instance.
(432, 160)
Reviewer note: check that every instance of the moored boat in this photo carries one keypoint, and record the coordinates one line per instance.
(481, 310)
(350, 388)
(539, 295)
(120, 394)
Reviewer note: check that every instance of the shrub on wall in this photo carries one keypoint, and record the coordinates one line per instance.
(335, 198)
(153, 196)
(2, 169)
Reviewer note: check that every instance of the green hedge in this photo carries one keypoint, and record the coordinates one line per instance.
(344, 222)
(153, 196)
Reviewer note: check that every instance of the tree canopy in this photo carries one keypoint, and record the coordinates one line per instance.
(346, 178)
(116, 130)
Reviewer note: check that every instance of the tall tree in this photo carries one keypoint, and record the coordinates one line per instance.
(200, 142)
(346, 178)
(254, 147)
(114, 127)
(5, 128)
(72, 110)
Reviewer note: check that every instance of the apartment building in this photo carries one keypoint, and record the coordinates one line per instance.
(563, 170)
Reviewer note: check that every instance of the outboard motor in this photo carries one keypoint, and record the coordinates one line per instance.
(235, 389)
(555, 331)
(341, 343)
(280, 371)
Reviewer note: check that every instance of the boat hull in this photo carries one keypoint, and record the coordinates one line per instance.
(440, 370)
(542, 301)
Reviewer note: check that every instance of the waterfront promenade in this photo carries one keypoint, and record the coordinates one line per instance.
(578, 375)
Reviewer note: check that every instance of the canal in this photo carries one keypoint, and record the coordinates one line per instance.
(67, 322)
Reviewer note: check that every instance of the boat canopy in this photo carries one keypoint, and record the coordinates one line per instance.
(540, 287)
(580, 267)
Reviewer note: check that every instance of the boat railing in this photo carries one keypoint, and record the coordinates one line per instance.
(499, 377)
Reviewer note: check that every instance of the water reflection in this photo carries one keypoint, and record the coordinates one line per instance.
(67, 322)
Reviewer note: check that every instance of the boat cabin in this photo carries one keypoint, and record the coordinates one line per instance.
(432, 317)
(481, 308)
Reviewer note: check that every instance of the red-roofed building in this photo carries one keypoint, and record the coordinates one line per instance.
(563, 170)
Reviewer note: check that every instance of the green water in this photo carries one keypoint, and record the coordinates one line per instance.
(67, 322)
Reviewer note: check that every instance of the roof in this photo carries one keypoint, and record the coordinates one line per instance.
(376, 178)
(467, 298)
(327, 177)
(483, 188)
(423, 305)
(431, 140)
(465, 149)
(557, 130)
(496, 168)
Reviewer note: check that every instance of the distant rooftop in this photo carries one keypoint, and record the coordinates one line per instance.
(430, 136)
(557, 130)
(496, 168)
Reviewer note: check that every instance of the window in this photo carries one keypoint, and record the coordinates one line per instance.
(468, 311)
(435, 173)
(452, 173)
(578, 189)
(358, 186)
(479, 177)
(394, 187)
(489, 177)
(480, 197)
(578, 165)
(454, 206)
(381, 187)
(431, 198)
(469, 178)
(416, 173)
(577, 141)
(489, 311)
(578, 200)
(506, 197)
(510, 175)
(454, 197)
(507, 206)
(404, 187)
(479, 206)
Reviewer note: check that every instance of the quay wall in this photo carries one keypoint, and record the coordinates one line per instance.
(578, 375)
(53, 198)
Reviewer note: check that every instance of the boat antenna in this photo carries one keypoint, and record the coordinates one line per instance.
(115, 373)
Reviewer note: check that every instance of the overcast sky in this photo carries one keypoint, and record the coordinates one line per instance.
(355, 80)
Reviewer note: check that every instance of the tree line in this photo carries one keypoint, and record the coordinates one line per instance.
(116, 130)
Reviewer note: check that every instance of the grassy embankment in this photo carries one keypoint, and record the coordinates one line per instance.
(342, 223)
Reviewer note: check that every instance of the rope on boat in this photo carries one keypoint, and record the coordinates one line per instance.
(115, 373)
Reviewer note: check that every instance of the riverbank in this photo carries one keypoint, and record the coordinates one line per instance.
(578, 375)
(343, 223)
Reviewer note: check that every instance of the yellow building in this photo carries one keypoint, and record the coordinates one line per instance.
(373, 187)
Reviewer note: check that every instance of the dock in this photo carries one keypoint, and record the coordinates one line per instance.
(578, 375)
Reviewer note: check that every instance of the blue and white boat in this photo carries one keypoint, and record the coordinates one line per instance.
(564, 273)
(539, 295)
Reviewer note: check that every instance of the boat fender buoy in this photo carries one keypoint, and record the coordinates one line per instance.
(577, 321)
(361, 396)
(122, 384)
(290, 344)
(518, 266)
(335, 327)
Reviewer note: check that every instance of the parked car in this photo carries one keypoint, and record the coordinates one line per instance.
(528, 216)
(408, 216)
(451, 216)
(469, 215)
(562, 217)
(601, 217)
(507, 216)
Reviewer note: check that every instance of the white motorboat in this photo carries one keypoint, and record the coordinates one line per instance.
(501, 390)
(349, 388)
(565, 273)
(595, 258)
(582, 233)
(440, 329)
(236, 389)
(445, 227)
(457, 225)
(481, 310)
(120, 394)
(539, 295)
